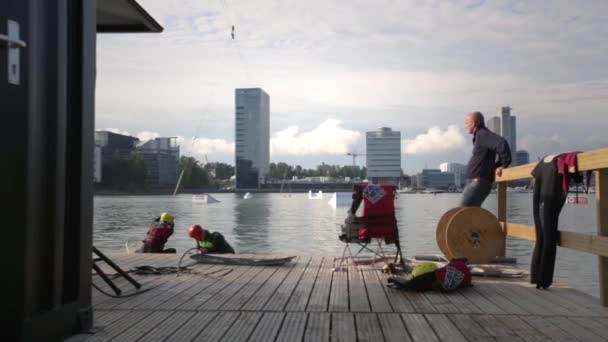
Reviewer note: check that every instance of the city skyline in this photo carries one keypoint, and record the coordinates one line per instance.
(335, 74)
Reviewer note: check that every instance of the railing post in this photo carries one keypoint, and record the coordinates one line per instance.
(501, 206)
(601, 197)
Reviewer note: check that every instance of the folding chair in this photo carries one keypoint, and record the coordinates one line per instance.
(377, 224)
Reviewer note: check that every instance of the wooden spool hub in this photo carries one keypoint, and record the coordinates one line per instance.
(470, 232)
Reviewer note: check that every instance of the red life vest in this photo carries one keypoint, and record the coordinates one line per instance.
(454, 275)
(158, 234)
(378, 216)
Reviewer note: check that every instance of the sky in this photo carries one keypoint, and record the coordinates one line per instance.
(337, 69)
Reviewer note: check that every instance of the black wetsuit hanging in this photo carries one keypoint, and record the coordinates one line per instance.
(549, 198)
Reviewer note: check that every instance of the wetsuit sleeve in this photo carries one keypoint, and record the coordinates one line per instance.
(171, 229)
(501, 147)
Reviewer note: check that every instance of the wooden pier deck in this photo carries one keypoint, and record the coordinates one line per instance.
(305, 301)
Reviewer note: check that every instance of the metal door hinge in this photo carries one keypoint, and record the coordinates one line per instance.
(13, 44)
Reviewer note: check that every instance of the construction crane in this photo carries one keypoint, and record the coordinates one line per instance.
(355, 155)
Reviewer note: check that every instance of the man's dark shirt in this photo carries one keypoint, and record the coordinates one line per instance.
(220, 245)
(486, 145)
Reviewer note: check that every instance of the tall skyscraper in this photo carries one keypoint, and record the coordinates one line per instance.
(505, 125)
(383, 156)
(252, 137)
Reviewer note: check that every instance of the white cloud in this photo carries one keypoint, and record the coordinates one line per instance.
(435, 141)
(327, 138)
(147, 135)
(200, 147)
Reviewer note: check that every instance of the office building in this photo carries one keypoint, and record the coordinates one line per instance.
(505, 125)
(435, 179)
(383, 156)
(161, 156)
(114, 145)
(453, 167)
(522, 157)
(252, 137)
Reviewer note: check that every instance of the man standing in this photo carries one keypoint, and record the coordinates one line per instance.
(483, 165)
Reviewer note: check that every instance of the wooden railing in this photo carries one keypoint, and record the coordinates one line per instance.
(596, 160)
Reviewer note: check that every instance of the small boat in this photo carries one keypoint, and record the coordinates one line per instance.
(316, 195)
(247, 195)
(432, 191)
(203, 198)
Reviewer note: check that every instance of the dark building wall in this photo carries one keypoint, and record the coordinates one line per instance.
(246, 174)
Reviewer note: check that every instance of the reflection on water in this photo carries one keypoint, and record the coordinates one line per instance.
(293, 224)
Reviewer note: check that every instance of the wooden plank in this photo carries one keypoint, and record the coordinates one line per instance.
(319, 298)
(572, 328)
(393, 328)
(444, 328)
(511, 292)
(601, 200)
(573, 307)
(368, 327)
(338, 300)
(501, 208)
(597, 326)
(281, 296)
(161, 288)
(397, 298)
(470, 328)
(495, 328)
(519, 231)
(136, 331)
(549, 329)
(170, 290)
(242, 327)
(593, 160)
(301, 293)
(462, 303)
(521, 328)
(99, 299)
(495, 297)
(375, 291)
(168, 326)
(590, 160)
(441, 302)
(584, 300)
(257, 302)
(527, 294)
(194, 325)
(99, 324)
(481, 302)
(356, 291)
(209, 291)
(215, 300)
(317, 327)
(119, 326)
(419, 302)
(268, 327)
(198, 284)
(418, 327)
(293, 327)
(246, 292)
(516, 172)
(218, 327)
(343, 327)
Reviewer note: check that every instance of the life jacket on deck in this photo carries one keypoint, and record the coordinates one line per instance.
(158, 234)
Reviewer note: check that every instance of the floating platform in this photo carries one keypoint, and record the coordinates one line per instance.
(305, 300)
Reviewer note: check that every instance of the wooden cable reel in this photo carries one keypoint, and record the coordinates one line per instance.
(470, 232)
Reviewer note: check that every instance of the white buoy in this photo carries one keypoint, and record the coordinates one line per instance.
(247, 196)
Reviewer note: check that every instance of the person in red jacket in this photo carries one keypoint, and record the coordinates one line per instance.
(158, 234)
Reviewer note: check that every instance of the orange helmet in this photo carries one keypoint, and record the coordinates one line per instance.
(196, 232)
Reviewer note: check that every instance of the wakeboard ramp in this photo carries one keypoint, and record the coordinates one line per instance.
(219, 260)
